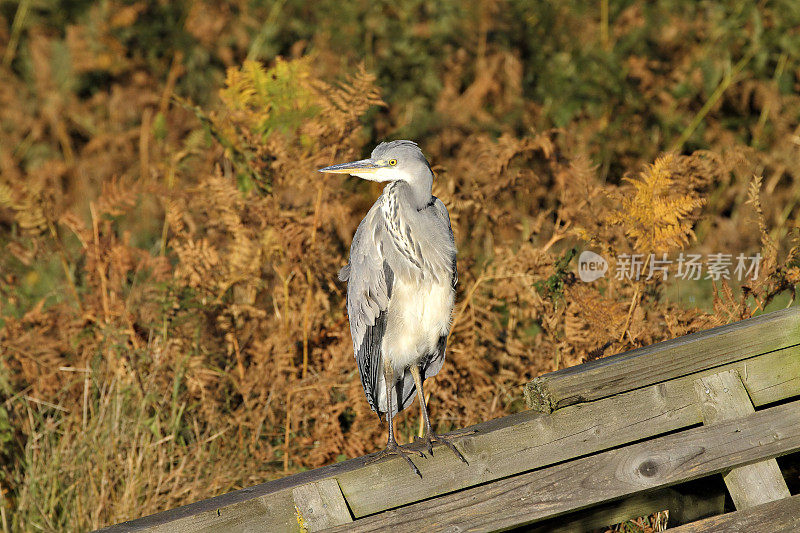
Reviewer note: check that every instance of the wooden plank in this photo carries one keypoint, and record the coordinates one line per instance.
(262, 513)
(501, 447)
(265, 507)
(600, 478)
(320, 505)
(782, 516)
(770, 377)
(686, 503)
(723, 397)
(664, 361)
(534, 440)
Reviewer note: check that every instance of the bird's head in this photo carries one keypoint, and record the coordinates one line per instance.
(390, 161)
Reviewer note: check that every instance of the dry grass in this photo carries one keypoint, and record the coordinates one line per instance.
(171, 326)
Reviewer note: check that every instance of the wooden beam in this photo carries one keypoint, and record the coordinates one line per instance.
(605, 477)
(265, 507)
(775, 517)
(664, 361)
(320, 505)
(724, 397)
(533, 440)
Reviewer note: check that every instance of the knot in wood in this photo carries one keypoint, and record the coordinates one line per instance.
(649, 468)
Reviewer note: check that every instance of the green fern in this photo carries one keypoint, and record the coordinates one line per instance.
(274, 99)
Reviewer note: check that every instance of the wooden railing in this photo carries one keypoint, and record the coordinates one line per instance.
(617, 438)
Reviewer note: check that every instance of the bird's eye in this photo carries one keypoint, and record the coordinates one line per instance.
(392, 162)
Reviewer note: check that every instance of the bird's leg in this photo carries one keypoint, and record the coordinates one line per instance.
(430, 437)
(392, 448)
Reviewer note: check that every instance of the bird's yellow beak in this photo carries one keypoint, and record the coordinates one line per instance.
(361, 167)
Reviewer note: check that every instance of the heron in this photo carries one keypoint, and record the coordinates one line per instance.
(401, 279)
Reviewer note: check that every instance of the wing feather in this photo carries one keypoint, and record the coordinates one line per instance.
(433, 363)
(369, 287)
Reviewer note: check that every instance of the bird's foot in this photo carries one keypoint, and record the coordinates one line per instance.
(393, 448)
(431, 437)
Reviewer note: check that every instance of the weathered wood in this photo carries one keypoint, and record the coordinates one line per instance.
(723, 397)
(262, 513)
(683, 506)
(664, 361)
(533, 441)
(604, 477)
(265, 507)
(501, 447)
(320, 505)
(782, 516)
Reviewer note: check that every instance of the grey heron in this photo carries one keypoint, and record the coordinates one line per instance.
(401, 280)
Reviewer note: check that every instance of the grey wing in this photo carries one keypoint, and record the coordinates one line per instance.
(369, 287)
(434, 362)
(444, 216)
(441, 211)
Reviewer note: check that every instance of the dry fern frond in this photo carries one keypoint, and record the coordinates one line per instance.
(6, 196)
(768, 246)
(116, 198)
(29, 203)
(656, 218)
(343, 103)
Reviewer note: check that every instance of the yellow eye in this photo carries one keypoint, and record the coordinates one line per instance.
(392, 162)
